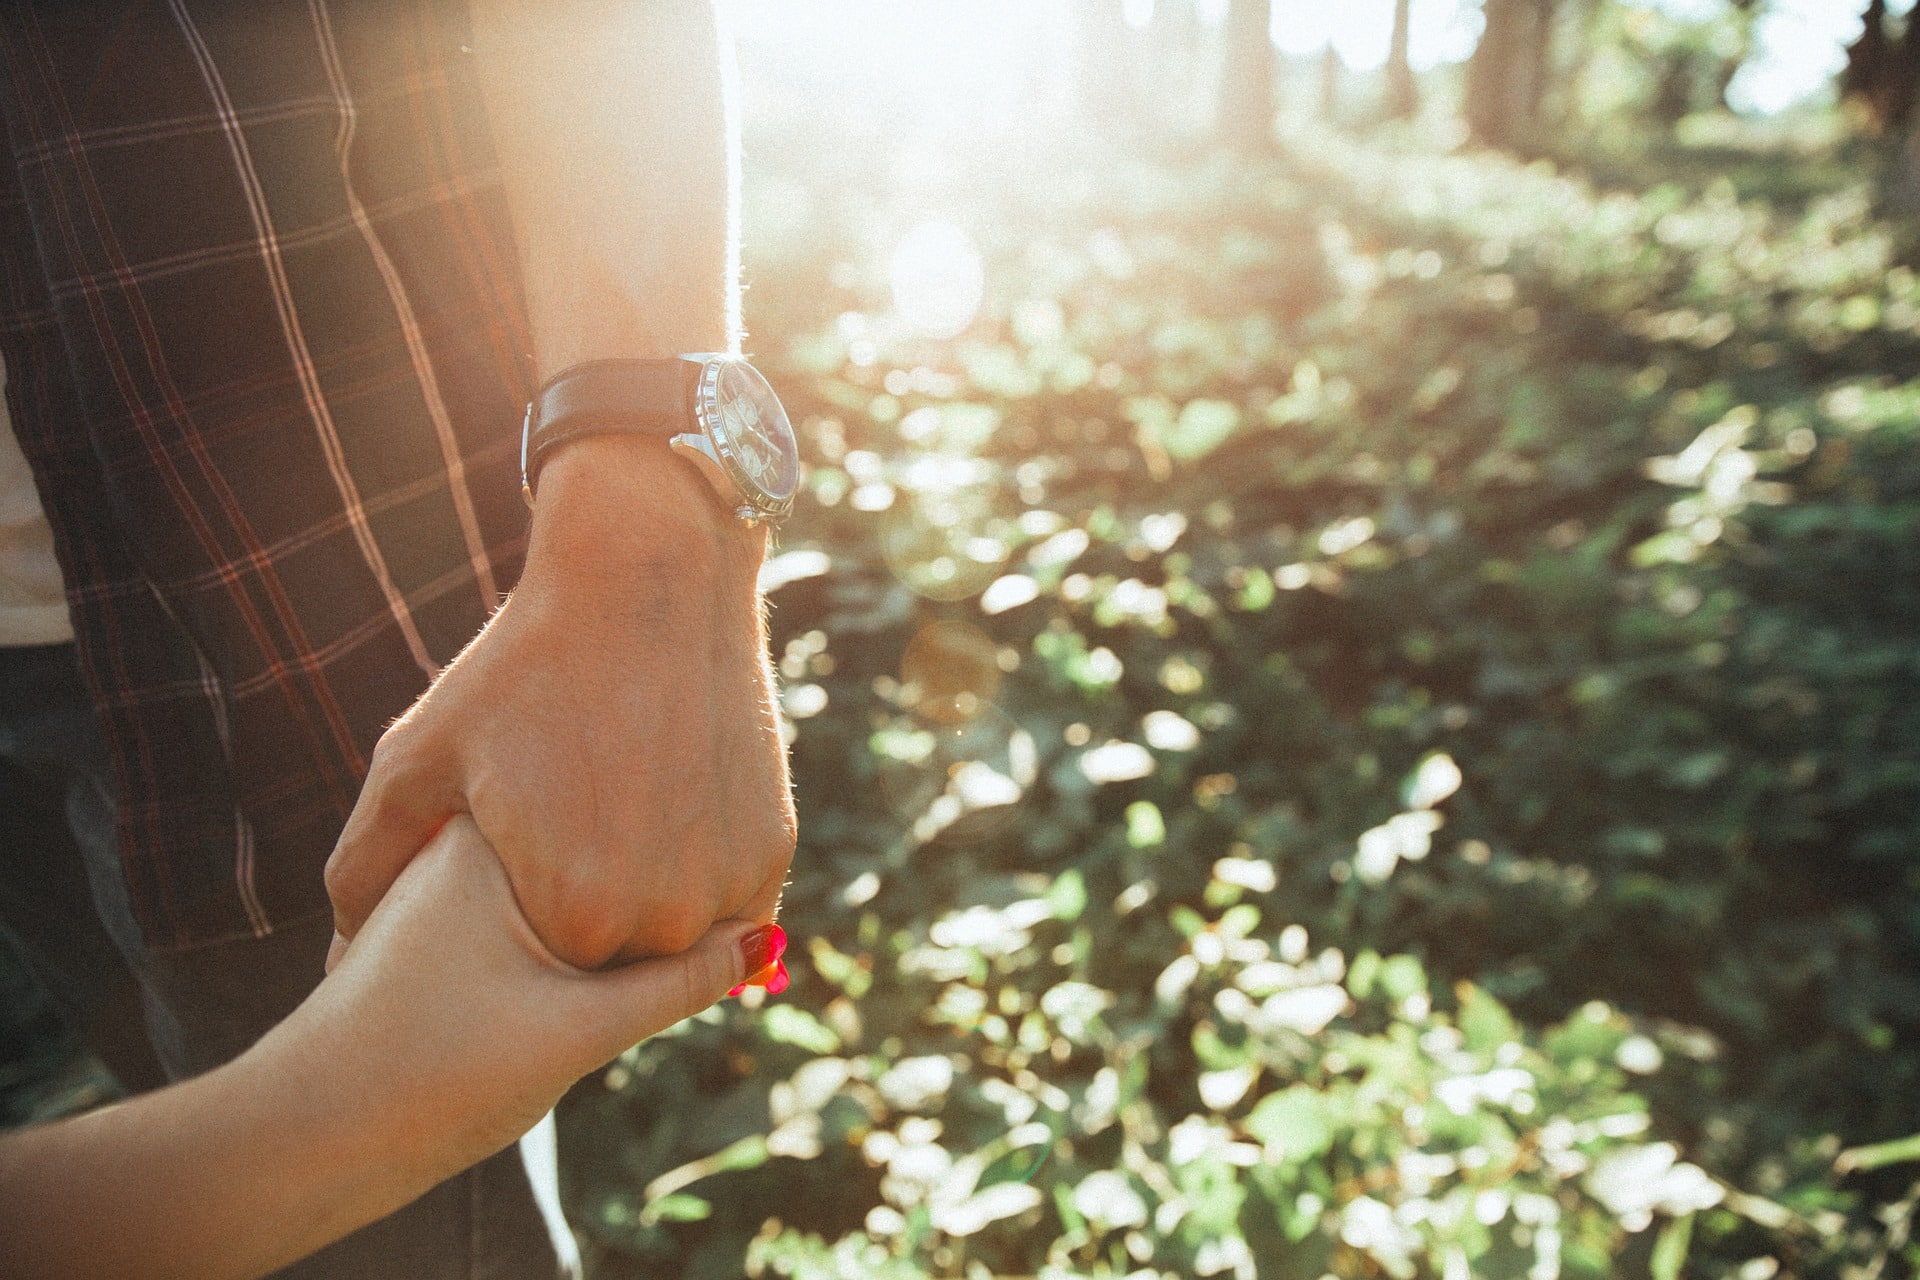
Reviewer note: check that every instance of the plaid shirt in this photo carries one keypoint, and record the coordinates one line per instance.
(266, 355)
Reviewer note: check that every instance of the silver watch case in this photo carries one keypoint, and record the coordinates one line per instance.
(728, 462)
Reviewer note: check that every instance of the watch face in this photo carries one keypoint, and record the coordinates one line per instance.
(751, 431)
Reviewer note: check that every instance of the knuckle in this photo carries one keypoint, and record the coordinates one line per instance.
(394, 750)
(673, 930)
(338, 875)
(598, 918)
(585, 933)
(346, 890)
(339, 880)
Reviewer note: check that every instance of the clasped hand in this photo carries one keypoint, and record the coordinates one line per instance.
(611, 731)
(466, 1028)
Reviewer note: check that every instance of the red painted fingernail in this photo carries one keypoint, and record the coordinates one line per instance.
(761, 948)
(778, 982)
(737, 990)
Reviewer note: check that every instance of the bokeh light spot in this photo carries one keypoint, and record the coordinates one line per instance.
(938, 279)
(951, 672)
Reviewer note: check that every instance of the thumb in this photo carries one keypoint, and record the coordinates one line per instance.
(648, 996)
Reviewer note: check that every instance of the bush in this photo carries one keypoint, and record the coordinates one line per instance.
(1362, 719)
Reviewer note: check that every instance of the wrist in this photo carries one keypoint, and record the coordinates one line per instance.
(611, 505)
(305, 1090)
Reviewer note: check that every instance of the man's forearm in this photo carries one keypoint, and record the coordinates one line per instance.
(613, 730)
(614, 125)
(612, 121)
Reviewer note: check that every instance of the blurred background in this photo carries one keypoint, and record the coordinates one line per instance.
(1351, 645)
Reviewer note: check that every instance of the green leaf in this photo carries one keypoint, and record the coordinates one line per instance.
(1145, 827)
(1402, 976)
(1484, 1021)
(1069, 1213)
(1293, 1124)
(679, 1207)
(749, 1152)
(1067, 895)
(839, 968)
(1214, 1053)
(1672, 546)
(1300, 1217)
(1363, 973)
(790, 1025)
(1203, 425)
(1670, 1250)
(1240, 921)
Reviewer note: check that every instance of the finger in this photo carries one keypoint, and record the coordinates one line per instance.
(402, 804)
(649, 996)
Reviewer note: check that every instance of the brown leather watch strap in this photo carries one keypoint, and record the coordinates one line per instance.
(647, 397)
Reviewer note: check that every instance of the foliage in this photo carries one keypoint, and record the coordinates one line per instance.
(1361, 719)
(1654, 66)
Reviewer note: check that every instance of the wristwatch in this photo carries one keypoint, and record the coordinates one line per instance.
(714, 410)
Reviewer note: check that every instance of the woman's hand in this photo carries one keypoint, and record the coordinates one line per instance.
(451, 1016)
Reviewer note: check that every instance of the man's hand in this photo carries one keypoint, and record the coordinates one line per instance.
(612, 729)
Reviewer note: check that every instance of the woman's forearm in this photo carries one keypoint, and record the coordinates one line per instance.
(446, 1031)
(231, 1174)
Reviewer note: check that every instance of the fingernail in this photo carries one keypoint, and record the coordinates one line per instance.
(760, 952)
(762, 947)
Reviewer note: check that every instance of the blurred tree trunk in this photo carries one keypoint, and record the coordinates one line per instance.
(1403, 95)
(1491, 72)
(1507, 75)
(1867, 56)
(1246, 79)
(1729, 67)
(1904, 64)
(1539, 45)
(1902, 193)
(1883, 77)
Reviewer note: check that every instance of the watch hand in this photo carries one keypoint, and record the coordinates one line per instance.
(774, 466)
(754, 453)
